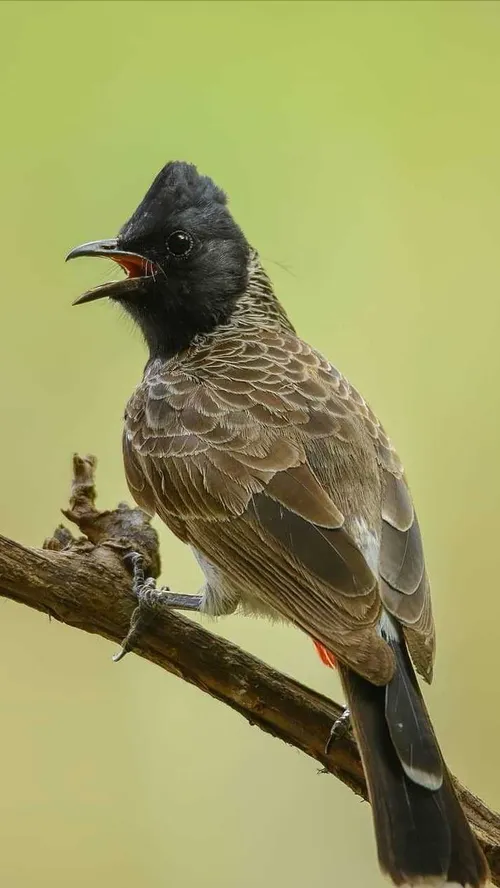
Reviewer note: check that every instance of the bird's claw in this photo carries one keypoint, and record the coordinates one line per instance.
(339, 729)
(134, 562)
(148, 599)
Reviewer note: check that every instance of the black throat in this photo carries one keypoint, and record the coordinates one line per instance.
(170, 321)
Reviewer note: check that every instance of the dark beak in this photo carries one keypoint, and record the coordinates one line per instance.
(134, 264)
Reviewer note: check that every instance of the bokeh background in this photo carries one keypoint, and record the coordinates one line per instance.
(359, 143)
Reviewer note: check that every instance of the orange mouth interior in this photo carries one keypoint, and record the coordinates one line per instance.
(134, 266)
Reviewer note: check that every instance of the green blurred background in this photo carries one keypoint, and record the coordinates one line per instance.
(360, 145)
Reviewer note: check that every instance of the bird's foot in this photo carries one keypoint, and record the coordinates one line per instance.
(339, 729)
(149, 599)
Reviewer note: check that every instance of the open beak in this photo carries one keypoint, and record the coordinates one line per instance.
(134, 265)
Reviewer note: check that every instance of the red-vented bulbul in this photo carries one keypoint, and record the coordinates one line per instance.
(259, 454)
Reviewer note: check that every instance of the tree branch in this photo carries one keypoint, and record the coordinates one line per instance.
(82, 582)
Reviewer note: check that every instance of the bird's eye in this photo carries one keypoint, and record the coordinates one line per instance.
(179, 244)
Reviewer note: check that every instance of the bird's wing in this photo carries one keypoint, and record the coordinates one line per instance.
(403, 581)
(404, 584)
(222, 447)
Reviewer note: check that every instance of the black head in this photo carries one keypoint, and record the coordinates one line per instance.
(186, 260)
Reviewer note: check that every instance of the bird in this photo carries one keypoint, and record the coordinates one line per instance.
(259, 454)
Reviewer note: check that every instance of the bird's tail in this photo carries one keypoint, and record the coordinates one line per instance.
(421, 830)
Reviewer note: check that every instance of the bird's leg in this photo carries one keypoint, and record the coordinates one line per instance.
(340, 728)
(149, 599)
